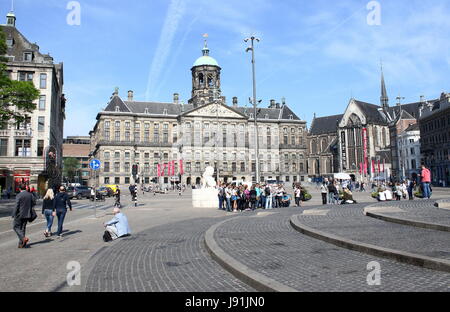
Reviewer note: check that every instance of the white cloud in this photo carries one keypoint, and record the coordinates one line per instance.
(175, 13)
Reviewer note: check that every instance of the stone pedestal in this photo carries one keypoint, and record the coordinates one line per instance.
(205, 198)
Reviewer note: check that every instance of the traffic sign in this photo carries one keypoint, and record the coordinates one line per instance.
(95, 164)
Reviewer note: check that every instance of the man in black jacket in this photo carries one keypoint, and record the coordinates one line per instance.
(61, 203)
(22, 213)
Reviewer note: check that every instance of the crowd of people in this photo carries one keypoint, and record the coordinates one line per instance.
(234, 198)
(338, 193)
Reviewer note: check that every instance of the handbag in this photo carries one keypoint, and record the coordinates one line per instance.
(33, 215)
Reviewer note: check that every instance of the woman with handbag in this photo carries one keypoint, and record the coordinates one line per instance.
(47, 211)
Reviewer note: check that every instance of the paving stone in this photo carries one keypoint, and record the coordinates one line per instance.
(270, 246)
(170, 258)
(349, 221)
(420, 210)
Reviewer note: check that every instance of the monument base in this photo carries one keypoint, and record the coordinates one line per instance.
(205, 198)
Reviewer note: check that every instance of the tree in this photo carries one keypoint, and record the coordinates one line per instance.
(70, 167)
(16, 97)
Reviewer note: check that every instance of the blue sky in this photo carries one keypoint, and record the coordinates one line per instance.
(316, 54)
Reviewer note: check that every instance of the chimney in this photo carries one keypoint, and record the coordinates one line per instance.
(116, 91)
(283, 101)
(130, 96)
(176, 98)
(235, 101)
(277, 106)
(272, 104)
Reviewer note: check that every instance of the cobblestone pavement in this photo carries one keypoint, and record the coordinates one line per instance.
(167, 253)
(170, 258)
(419, 210)
(270, 246)
(350, 222)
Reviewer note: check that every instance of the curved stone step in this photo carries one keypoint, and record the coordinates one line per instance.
(265, 248)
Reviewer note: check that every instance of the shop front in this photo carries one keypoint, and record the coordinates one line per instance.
(21, 177)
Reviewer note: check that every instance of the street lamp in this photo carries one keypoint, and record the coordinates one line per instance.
(252, 48)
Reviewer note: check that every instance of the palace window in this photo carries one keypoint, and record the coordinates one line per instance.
(41, 123)
(28, 56)
(40, 148)
(23, 148)
(4, 147)
(25, 76)
(43, 81)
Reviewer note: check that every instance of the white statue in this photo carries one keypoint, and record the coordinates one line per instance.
(208, 180)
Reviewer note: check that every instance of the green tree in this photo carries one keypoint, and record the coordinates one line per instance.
(16, 97)
(70, 167)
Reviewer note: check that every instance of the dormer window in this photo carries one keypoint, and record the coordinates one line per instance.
(10, 42)
(165, 112)
(117, 109)
(146, 111)
(291, 117)
(251, 116)
(28, 56)
(266, 116)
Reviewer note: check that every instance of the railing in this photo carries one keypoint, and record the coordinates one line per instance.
(5, 132)
(23, 133)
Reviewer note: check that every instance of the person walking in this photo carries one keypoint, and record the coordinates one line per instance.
(22, 214)
(253, 199)
(298, 195)
(117, 198)
(60, 205)
(228, 192)
(324, 191)
(269, 197)
(426, 180)
(411, 187)
(220, 195)
(47, 211)
(332, 193)
(279, 197)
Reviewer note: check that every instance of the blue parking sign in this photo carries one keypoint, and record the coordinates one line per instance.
(95, 164)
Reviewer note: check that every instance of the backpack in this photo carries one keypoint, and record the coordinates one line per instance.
(107, 237)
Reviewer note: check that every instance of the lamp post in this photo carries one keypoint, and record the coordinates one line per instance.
(252, 48)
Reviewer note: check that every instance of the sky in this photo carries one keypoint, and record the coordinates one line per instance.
(316, 54)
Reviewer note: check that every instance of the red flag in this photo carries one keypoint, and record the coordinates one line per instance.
(384, 161)
(173, 168)
(373, 166)
(181, 167)
(159, 170)
(360, 168)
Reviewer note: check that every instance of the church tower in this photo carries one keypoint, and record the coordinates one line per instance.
(384, 100)
(205, 79)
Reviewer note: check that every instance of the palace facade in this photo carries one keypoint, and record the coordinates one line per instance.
(205, 132)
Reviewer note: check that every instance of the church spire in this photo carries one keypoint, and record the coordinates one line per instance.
(205, 49)
(384, 98)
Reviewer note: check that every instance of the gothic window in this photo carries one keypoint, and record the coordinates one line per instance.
(354, 121)
(313, 147)
(324, 145)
